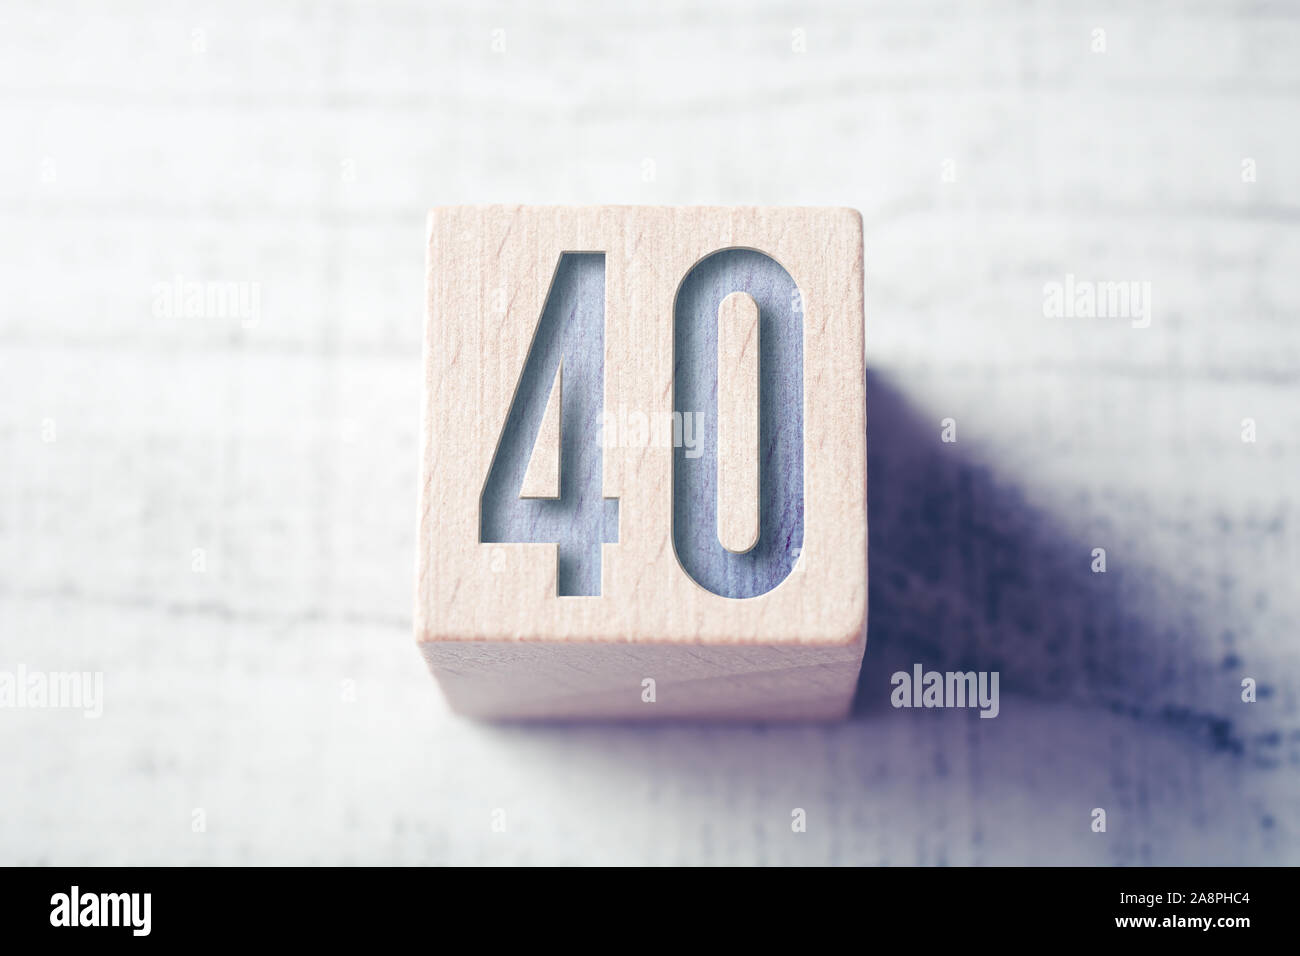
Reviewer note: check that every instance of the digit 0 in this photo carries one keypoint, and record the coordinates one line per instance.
(738, 495)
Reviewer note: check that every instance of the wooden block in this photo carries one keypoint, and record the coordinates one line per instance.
(644, 462)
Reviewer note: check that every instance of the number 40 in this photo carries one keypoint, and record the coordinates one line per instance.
(563, 377)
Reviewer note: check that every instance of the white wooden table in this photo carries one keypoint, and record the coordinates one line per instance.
(293, 149)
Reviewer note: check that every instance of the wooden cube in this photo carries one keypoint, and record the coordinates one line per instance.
(643, 463)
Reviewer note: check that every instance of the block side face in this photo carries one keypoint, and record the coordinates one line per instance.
(490, 269)
(426, 519)
(532, 681)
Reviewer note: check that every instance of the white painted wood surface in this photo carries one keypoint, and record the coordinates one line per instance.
(991, 150)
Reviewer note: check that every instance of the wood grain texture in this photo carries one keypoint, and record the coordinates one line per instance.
(477, 602)
(737, 422)
(542, 477)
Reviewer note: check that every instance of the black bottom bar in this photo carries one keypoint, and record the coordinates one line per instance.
(336, 907)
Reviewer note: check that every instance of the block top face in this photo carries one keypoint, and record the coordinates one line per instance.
(643, 424)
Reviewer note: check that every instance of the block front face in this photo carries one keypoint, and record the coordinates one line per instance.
(645, 427)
